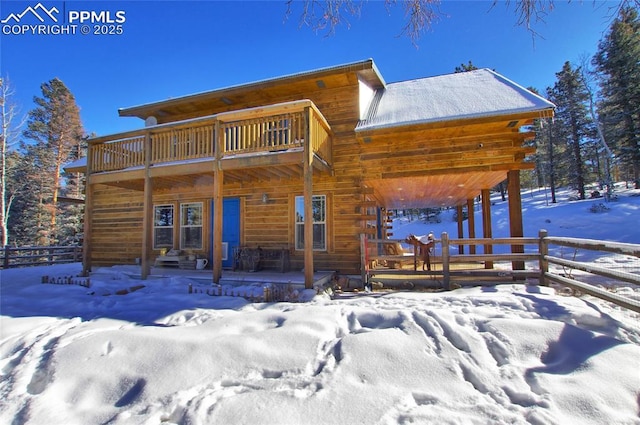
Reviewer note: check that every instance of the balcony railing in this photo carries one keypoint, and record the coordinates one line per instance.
(117, 154)
(179, 144)
(267, 134)
(271, 128)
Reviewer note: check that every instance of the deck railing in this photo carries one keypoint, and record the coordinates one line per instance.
(264, 134)
(182, 143)
(118, 154)
(320, 135)
(251, 131)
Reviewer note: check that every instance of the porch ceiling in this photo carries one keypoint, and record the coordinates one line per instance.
(446, 163)
(432, 191)
(186, 175)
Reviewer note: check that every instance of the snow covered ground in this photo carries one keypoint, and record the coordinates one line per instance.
(511, 354)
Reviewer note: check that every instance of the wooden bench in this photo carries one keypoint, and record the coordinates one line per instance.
(253, 259)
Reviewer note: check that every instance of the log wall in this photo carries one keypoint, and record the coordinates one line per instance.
(118, 213)
(116, 233)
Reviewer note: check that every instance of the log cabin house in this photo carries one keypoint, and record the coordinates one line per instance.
(302, 164)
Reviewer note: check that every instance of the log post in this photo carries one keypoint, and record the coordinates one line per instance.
(147, 220)
(308, 201)
(486, 224)
(364, 259)
(460, 228)
(515, 215)
(446, 276)
(6, 257)
(88, 207)
(471, 224)
(543, 248)
(218, 185)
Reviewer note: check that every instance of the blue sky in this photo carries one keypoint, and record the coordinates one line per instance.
(172, 48)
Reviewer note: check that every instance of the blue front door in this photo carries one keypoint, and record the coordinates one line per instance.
(230, 229)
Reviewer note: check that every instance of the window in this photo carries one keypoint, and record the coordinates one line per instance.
(162, 226)
(319, 207)
(191, 225)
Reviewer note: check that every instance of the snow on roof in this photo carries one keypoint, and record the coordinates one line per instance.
(78, 163)
(464, 95)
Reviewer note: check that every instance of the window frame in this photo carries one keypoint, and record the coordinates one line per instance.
(183, 226)
(156, 227)
(299, 224)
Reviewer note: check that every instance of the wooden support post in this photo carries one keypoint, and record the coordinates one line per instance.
(486, 224)
(364, 260)
(446, 276)
(543, 248)
(6, 257)
(515, 215)
(88, 212)
(147, 218)
(308, 202)
(218, 185)
(460, 228)
(471, 224)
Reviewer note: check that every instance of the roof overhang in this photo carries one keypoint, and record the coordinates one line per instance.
(444, 164)
(236, 97)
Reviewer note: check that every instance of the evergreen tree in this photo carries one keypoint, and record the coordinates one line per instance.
(56, 131)
(571, 99)
(618, 64)
(551, 158)
(465, 68)
(71, 223)
(30, 221)
(537, 176)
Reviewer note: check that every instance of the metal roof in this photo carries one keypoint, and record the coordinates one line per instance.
(465, 95)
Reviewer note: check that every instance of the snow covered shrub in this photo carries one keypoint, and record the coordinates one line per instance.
(598, 208)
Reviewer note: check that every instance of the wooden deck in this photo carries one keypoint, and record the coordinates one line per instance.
(406, 277)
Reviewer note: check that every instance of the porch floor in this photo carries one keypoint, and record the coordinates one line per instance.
(238, 278)
(463, 274)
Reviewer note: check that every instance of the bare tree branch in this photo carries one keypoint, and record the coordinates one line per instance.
(528, 11)
(420, 15)
(325, 15)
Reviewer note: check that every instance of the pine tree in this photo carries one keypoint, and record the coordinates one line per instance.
(465, 67)
(56, 131)
(571, 99)
(551, 158)
(29, 223)
(537, 176)
(618, 64)
(72, 213)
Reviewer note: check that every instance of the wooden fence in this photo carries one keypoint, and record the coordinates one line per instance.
(39, 256)
(529, 259)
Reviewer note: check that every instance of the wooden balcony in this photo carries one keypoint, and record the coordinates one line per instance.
(275, 135)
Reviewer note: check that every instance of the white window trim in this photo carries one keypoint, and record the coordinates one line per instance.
(324, 223)
(201, 225)
(173, 223)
